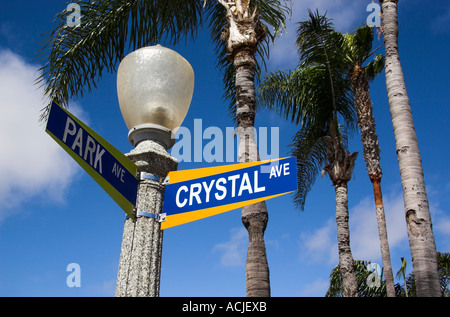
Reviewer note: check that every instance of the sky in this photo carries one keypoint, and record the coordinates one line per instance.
(53, 214)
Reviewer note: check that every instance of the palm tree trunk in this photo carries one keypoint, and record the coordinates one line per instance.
(243, 39)
(254, 217)
(417, 213)
(349, 284)
(371, 151)
(382, 233)
(340, 169)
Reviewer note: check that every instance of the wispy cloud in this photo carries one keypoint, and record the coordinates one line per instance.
(365, 241)
(441, 224)
(320, 246)
(318, 288)
(233, 251)
(106, 288)
(441, 24)
(31, 163)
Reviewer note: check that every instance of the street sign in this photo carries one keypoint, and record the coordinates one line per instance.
(196, 194)
(112, 170)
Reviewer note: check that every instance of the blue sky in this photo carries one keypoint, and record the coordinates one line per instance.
(52, 213)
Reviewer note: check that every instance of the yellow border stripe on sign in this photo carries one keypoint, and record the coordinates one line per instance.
(114, 193)
(179, 219)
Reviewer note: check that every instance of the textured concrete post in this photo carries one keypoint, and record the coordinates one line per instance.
(140, 256)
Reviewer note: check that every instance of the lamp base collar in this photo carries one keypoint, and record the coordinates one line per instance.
(152, 132)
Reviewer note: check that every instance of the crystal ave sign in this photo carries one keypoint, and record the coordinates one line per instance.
(195, 194)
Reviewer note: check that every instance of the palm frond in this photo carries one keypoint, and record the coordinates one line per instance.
(359, 44)
(374, 67)
(312, 37)
(325, 101)
(358, 49)
(362, 274)
(77, 57)
(444, 272)
(279, 91)
(318, 43)
(309, 146)
(303, 96)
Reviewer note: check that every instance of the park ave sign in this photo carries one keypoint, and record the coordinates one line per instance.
(189, 195)
(112, 170)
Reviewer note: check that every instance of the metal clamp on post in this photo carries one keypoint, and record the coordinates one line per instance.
(158, 217)
(166, 180)
(144, 175)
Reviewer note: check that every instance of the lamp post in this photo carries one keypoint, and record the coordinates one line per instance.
(154, 86)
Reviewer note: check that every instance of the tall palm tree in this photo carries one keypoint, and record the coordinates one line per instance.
(317, 96)
(358, 48)
(243, 33)
(417, 212)
(240, 29)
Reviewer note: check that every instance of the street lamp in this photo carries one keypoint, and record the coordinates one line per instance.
(154, 86)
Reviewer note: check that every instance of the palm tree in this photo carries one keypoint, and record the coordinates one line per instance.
(358, 48)
(444, 272)
(240, 29)
(362, 275)
(243, 34)
(317, 96)
(417, 212)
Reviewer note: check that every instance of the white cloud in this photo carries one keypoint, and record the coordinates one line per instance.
(440, 25)
(31, 163)
(105, 288)
(320, 246)
(318, 288)
(365, 241)
(234, 250)
(441, 224)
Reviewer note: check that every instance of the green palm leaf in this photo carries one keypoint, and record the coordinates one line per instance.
(358, 49)
(77, 57)
(316, 95)
(109, 29)
(362, 274)
(310, 149)
(374, 67)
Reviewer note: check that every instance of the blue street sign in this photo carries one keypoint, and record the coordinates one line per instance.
(189, 197)
(112, 170)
